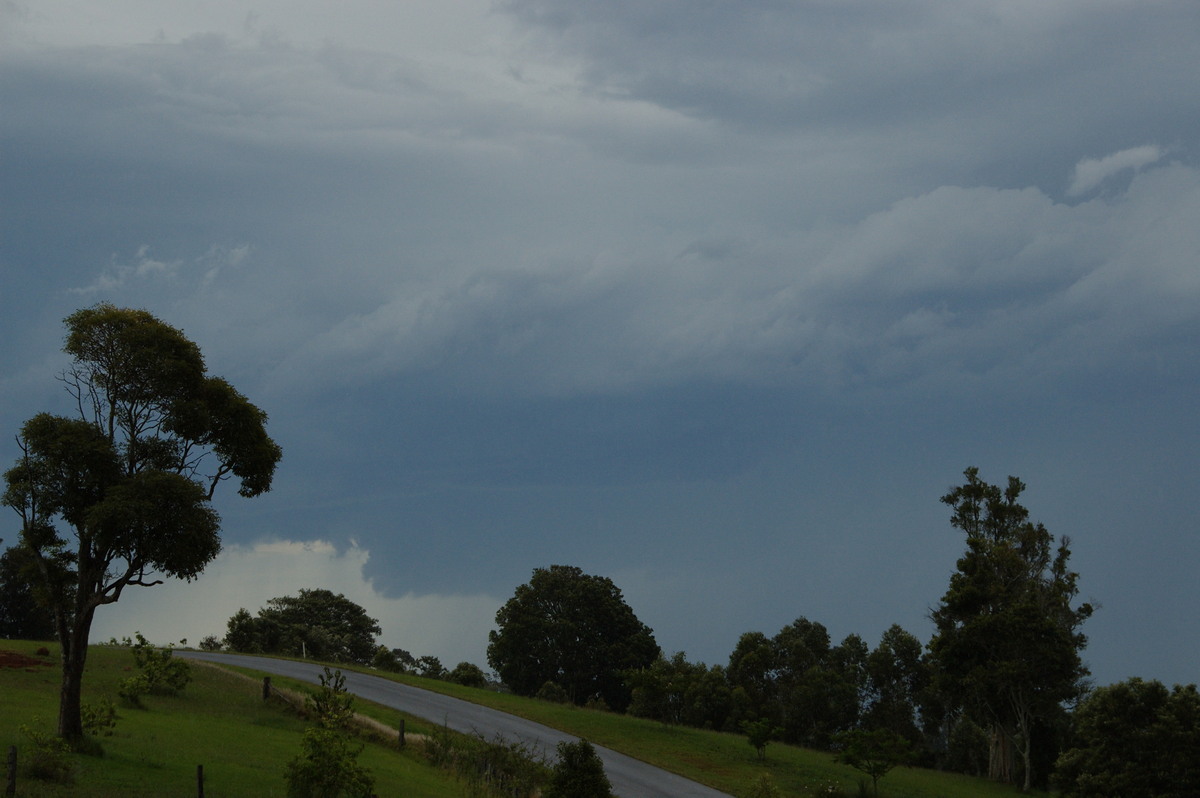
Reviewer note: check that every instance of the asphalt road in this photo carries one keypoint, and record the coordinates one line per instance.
(630, 777)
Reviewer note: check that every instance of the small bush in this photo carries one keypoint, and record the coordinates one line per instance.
(759, 733)
(327, 767)
(554, 693)
(763, 787)
(468, 675)
(485, 767)
(132, 689)
(597, 703)
(210, 643)
(330, 705)
(99, 718)
(48, 757)
(579, 773)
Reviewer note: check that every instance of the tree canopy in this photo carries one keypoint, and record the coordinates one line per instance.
(799, 681)
(317, 623)
(1007, 647)
(119, 495)
(1134, 739)
(574, 630)
(22, 616)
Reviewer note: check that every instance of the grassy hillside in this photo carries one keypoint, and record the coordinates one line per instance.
(724, 761)
(220, 722)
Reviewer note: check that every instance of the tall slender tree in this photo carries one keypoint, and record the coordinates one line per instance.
(120, 495)
(1007, 646)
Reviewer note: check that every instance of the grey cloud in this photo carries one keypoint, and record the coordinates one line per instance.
(981, 88)
(977, 280)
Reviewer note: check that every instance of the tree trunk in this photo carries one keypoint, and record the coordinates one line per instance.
(74, 658)
(1027, 756)
(1000, 755)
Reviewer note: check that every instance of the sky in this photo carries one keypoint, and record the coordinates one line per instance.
(713, 299)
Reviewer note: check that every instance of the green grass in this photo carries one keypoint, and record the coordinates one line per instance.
(219, 721)
(724, 761)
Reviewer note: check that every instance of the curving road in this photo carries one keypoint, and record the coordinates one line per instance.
(630, 777)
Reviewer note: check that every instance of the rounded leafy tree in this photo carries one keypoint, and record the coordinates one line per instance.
(574, 630)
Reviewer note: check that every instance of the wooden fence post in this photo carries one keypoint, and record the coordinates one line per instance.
(401, 732)
(200, 781)
(11, 789)
(266, 687)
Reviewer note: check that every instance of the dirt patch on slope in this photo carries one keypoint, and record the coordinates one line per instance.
(13, 659)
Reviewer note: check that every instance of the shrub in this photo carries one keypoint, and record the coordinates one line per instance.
(210, 643)
(48, 758)
(763, 787)
(467, 674)
(330, 705)
(133, 688)
(554, 693)
(99, 718)
(164, 674)
(579, 773)
(759, 733)
(497, 767)
(873, 752)
(327, 767)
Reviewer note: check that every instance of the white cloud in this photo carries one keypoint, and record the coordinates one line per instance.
(451, 627)
(1091, 172)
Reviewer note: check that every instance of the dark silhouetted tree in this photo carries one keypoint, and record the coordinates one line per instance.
(1007, 646)
(318, 623)
(572, 629)
(1134, 739)
(22, 616)
(578, 773)
(119, 496)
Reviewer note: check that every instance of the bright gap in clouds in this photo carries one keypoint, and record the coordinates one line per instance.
(1091, 172)
(453, 628)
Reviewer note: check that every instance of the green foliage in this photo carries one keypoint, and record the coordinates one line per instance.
(330, 704)
(166, 674)
(430, 667)
(680, 692)
(159, 672)
(812, 690)
(578, 773)
(1134, 739)
(132, 689)
(573, 629)
(554, 693)
(898, 677)
(1008, 644)
(759, 733)
(210, 643)
(468, 675)
(497, 767)
(99, 717)
(22, 615)
(327, 766)
(122, 494)
(395, 660)
(47, 757)
(873, 752)
(763, 787)
(316, 623)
